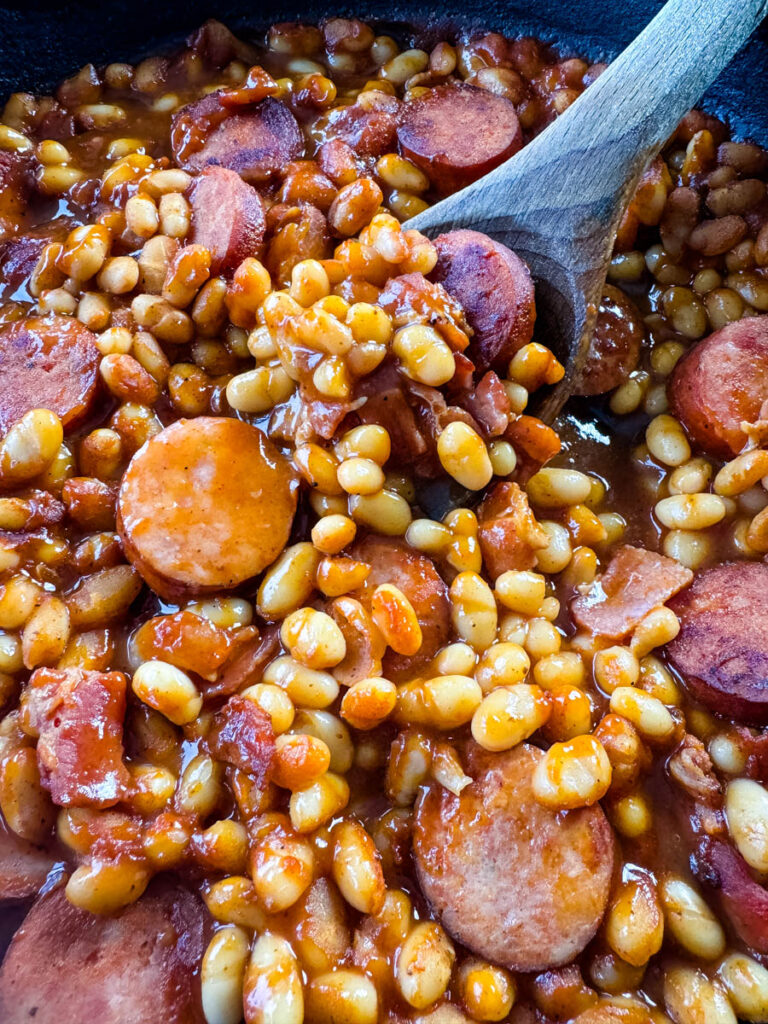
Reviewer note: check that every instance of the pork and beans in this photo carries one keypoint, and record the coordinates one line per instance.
(283, 737)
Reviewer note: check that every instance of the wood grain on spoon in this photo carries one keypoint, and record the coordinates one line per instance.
(558, 202)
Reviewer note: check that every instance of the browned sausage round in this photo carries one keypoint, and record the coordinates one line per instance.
(23, 867)
(257, 143)
(457, 133)
(204, 505)
(66, 966)
(47, 362)
(415, 575)
(722, 647)
(495, 288)
(227, 218)
(744, 900)
(367, 132)
(20, 254)
(513, 881)
(720, 384)
(615, 345)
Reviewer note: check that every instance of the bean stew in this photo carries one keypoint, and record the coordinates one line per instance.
(279, 741)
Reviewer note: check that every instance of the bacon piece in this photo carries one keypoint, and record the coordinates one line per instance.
(247, 661)
(508, 533)
(411, 298)
(635, 581)
(42, 509)
(186, 640)
(690, 766)
(242, 735)
(78, 716)
(386, 405)
(534, 442)
(489, 404)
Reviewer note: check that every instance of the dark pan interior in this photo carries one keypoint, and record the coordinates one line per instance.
(41, 43)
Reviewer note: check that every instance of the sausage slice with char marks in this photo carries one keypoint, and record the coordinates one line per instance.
(495, 289)
(205, 505)
(66, 966)
(256, 143)
(227, 218)
(721, 384)
(744, 900)
(721, 650)
(48, 362)
(457, 133)
(415, 575)
(513, 881)
(614, 348)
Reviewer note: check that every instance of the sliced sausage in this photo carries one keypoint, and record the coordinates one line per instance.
(227, 218)
(722, 647)
(369, 132)
(47, 362)
(457, 133)
(635, 581)
(495, 289)
(513, 881)
(394, 562)
(23, 866)
(66, 966)
(721, 384)
(614, 348)
(204, 505)
(256, 143)
(744, 900)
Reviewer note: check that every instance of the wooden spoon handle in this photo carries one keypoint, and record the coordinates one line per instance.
(583, 168)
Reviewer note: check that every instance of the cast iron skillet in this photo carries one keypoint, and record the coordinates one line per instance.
(41, 43)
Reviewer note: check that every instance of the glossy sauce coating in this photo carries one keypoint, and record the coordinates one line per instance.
(188, 523)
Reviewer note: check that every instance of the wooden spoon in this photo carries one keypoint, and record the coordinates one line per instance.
(558, 202)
